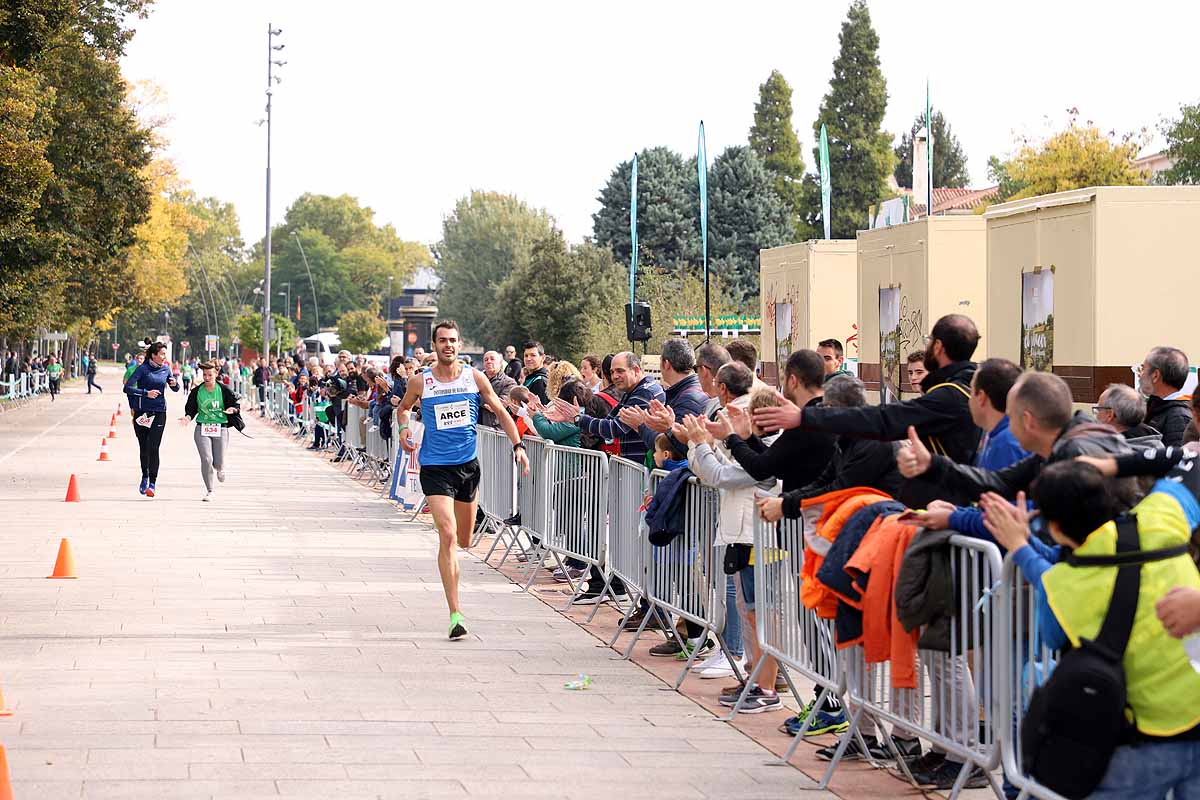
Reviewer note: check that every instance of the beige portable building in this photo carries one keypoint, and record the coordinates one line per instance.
(1085, 282)
(925, 270)
(808, 293)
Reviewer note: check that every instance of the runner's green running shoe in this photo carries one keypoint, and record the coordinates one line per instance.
(457, 629)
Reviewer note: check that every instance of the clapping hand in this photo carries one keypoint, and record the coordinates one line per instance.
(720, 427)
(739, 420)
(1008, 523)
(632, 417)
(696, 432)
(660, 417)
(562, 411)
(679, 432)
(535, 405)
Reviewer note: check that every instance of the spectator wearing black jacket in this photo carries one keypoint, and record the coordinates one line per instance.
(262, 377)
(857, 462)
(1161, 378)
(941, 415)
(537, 379)
(1040, 415)
(493, 366)
(512, 364)
(799, 455)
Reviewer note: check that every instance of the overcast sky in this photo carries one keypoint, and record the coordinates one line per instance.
(408, 106)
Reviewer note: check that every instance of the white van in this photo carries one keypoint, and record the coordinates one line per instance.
(326, 345)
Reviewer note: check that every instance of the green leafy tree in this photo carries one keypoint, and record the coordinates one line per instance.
(360, 331)
(860, 152)
(774, 139)
(1183, 146)
(949, 160)
(745, 216)
(248, 327)
(668, 225)
(484, 240)
(1074, 158)
(552, 296)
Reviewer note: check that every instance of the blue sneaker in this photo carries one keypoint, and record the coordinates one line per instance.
(142, 486)
(824, 722)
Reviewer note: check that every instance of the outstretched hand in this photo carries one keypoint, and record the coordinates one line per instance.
(720, 427)
(1008, 523)
(782, 417)
(562, 411)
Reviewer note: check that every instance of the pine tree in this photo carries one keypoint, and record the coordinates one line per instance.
(745, 216)
(668, 225)
(860, 152)
(949, 160)
(774, 140)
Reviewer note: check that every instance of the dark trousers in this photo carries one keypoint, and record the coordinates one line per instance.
(91, 376)
(148, 441)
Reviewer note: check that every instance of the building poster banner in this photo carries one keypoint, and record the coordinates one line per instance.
(889, 344)
(783, 338)
(1037, 320)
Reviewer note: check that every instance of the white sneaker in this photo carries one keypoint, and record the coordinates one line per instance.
(221, 475)
(207, 497)
(723, 670)
(717, 659)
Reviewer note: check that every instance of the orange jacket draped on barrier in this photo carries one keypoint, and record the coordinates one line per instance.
(884, 638)
(824, 517)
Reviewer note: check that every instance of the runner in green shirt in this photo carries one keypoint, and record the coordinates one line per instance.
(210, 404)
(54, 371)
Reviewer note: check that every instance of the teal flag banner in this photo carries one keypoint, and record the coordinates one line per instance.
(825, 185)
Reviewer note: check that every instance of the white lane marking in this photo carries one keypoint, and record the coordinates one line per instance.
(43, 433)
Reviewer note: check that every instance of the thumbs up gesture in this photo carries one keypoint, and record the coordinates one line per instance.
(914, 458)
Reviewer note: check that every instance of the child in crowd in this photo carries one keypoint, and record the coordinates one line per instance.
(665, 456)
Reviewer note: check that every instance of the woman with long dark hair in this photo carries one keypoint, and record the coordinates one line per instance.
(148, 383)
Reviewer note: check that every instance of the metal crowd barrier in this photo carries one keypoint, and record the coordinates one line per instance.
(24, 388)
(576, 520)
(1022, 663)
(686, 578)
(532, 502)
(497, 481)
(628, 549)
(795, 636)
(933, 711)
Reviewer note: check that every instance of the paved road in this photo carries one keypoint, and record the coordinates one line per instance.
(289, 639)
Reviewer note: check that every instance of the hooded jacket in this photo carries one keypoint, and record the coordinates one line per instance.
(857, 462)
(1169, 417)
(538, 382)
(666, 512)
(1143, 437)
(228, 398)
(925, 592)
(825, 516)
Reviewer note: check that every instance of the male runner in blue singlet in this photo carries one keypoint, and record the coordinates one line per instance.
(450, 393)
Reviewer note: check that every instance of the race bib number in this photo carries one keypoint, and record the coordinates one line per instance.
(210, 429)
(453, 415)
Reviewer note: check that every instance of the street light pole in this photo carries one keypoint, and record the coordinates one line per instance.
(311, 285)
(272, 32)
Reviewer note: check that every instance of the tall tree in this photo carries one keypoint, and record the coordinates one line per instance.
(485, 238)
(860, 152)
(744, 215)
(552, 296)
(949, 160)
(1183, 146)
(360, 331)
(1074, 158)
(774, 140)
(668, 228)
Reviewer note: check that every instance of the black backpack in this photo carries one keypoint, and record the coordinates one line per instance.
(1077, 719)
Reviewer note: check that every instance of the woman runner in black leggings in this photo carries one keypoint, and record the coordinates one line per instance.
(147, 384)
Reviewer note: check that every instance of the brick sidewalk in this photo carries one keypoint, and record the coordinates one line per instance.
(289, 639)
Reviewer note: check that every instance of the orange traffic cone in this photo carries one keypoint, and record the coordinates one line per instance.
(104, 451)
(5, 711)
(118, 409)
(6, 792)
(112, 429)
(112, 421)
(72, 490)
(64, 565)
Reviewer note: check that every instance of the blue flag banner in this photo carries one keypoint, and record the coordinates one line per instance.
(702, 174)
(632, 227)
(825, 185)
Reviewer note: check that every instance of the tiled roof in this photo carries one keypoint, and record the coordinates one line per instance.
(946, 199)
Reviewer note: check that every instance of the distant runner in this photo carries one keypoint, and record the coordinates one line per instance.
(147, 383)
(214, 406)
(450, 394)
(54, 372)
